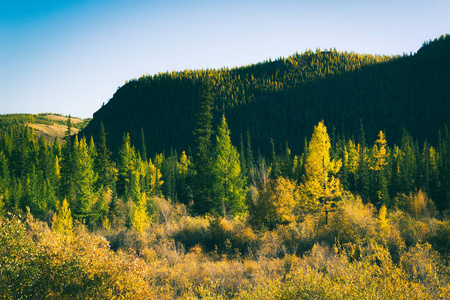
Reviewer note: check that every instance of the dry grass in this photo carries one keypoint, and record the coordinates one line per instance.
(62, 118)
(49, 132)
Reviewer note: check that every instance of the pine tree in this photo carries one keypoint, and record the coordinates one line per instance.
(154, 179)
(66, 163)
(126, 160)
(85, 178)
(362, 172)
(184, 178)
(203, 201)
(103, 165)
(249, 159)
(4, 182)
(143, 147)
(321, 184)
(380, 155)
(229, 190)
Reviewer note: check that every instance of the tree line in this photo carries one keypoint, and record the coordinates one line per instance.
(216, 177)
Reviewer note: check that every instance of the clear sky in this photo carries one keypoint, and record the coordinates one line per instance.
(71, 56)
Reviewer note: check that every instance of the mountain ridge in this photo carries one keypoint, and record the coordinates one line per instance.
(283, 99)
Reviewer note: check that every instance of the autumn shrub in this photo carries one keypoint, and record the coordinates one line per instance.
(123, 238)
(412, 230)
(328, 274)
(418, 205)
(350, 222)
(439, 236)
(40, 263)
(192, 231)
(424, 264)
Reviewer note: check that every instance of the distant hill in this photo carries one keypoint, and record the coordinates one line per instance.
(47, 125)
(283, 99)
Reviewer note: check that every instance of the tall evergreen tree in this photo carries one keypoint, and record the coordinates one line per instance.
(143, 147)
(66, 163)
(85, 178)
(321, 184)
(126, 159)
(380, 193)
(103, 165)
(250, 160)
(203, 201)
(229, 184)
(362, 172)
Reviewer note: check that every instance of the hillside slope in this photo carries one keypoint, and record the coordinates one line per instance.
(46, 125)
(283, 99)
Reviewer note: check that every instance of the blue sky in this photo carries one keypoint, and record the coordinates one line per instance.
(71, 56)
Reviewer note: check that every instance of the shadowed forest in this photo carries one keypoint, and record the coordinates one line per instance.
(231, 211)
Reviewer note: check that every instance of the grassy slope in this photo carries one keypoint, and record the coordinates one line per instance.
(47, 125)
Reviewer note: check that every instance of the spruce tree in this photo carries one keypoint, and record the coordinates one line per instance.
(362, 172)
(380, 193)
(229, 184)
(127, 157)
(85, 178)
(66, 163)
(203, 201)
(103, 165)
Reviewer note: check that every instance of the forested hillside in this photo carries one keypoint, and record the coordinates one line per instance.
(280, 99)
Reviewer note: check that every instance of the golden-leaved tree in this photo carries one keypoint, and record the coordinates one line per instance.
(320, 185)
(62, 221)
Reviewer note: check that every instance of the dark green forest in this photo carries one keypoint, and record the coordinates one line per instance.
(281, 99)
(324, 175)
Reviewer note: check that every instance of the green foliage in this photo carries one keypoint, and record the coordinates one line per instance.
(84, 179)
(229, 183)
(203, 198)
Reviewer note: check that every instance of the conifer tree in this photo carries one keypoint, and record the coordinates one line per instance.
(154, 179)
(62, 220)
(184, 178)
(321, 185)
(243, 159)
(127, 157)
(380, 155)
(103, 165)
(4, 181)
(140, 219)
(85, 178)
(362, 172)
(229, 184)
(66, 163)
(249, 159)
(143, 147)
(443, 200)
(203, 201)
